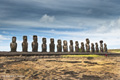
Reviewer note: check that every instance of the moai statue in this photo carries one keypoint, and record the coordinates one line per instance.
(59, 46)
(87, 45)
(34, 44)
(97, 49)
(44, 45)
(101, 46)
(82, 47)
(105, 47)
(71, 46)
(76, 46)
(13, 44)
(24, 44)
(92, 47)
(52, 45)
(65, 47)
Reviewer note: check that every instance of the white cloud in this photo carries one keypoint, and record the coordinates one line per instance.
(4, 38)
(46, 19)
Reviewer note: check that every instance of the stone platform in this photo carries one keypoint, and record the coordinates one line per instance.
(54, 53)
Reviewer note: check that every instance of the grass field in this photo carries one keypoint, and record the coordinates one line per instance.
(82, 56)
(114, 50)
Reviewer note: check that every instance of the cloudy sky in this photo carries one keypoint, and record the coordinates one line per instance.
(60, 19)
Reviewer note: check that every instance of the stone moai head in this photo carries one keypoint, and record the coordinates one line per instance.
(13, 39)
(76, 42)
(92, 44)
(44, 40)
(101, 41)
(59, 41)
(35, 38)
(96, 44)
(52, 40)
(82, 44)
(24, 38)
(65, 42)
(88, 41)
(71, 42)
(105, 44)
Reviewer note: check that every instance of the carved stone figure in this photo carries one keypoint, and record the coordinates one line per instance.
(52, 45)
(92, 47)
(76, 46)
(82, 47)
(101, 46)
(34, 44)
(44, 45)
(25, 44)
(65, 47)
(97, 49)
(105, 47)
(71, 46)
(87, 45)
(59, 46)
(13, 44)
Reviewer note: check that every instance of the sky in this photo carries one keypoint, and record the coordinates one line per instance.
(59, 19)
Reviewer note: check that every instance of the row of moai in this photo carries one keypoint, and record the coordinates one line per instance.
(13, 45)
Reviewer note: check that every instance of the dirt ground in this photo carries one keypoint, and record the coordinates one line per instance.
(39, 68)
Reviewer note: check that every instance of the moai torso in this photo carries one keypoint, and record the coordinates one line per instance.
(52, 45)
(97, 49)
(82, 47)
(34, 44)
(105, 47)
(71, 46)
(92, 47)
(65, 47)
(59, 46)
(25, 44)
(101, 46)
(87, 45)
(44, 45)
(13, 44)
(76, 46)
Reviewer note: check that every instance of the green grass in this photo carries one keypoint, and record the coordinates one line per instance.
(81, 56)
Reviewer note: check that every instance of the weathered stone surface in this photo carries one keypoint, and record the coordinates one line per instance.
(105, 47)
(35, 44)
(71, 46)
(25, 44)
(96, 47)
(82, 47)
(59, 46)
(52, 45)
(76, 46)
(44, 45)
(92, 47)
(87, 45)
(65, 47)
(13, 44)
(101, 45)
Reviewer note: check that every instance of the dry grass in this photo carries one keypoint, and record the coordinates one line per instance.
(114, 50)
(79, 68)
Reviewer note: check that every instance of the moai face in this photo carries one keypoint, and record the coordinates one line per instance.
(96, 44)
(71, 42)
(24, 38)
(87, 40)
(92, 44)
(59, 42)
(65, 42)
(35, 38)
(44, 40)
(76, 43)
(13, 39)
(101, 41)
(105, 44)
(52, 40)
(82, 43)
